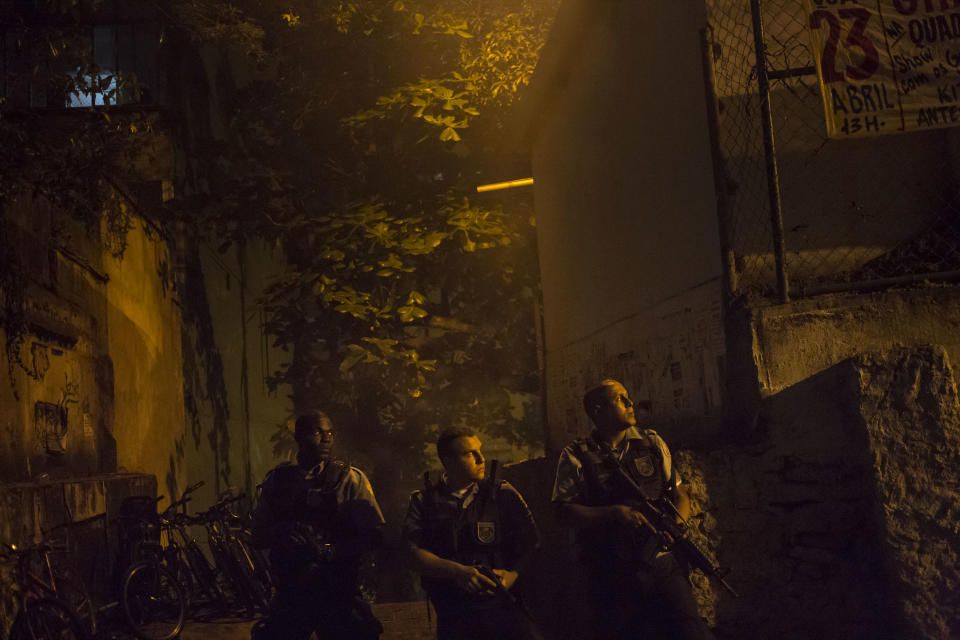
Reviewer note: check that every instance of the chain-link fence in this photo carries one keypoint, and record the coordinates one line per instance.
(841, 213)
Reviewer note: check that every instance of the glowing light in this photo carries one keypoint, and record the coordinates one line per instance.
(497, 186)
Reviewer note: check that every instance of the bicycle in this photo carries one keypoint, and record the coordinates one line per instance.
(183, 556)
(42, 613)
(242, 565)
(152, 599)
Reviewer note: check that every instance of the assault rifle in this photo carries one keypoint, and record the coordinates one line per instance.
(669, 527)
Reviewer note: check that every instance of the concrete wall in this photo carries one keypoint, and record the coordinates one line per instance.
(56, 360)
(775, 347)
(626, 217)
(670, 357)
(225, 446)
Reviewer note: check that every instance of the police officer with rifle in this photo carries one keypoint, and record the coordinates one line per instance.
(619, 491)
(318, 518)
(469, 535)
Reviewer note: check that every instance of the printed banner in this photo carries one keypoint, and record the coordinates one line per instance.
(887, 66)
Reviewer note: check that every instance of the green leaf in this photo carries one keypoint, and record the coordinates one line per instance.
(449, 134)
(416, 297)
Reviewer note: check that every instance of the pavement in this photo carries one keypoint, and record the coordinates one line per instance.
(401, 621)
(218, 630)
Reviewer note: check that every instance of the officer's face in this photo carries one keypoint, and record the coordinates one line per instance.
(465, 462)
(617, 414)
(318, 442)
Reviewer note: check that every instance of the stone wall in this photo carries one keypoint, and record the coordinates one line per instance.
(841, 521)
(911, 412)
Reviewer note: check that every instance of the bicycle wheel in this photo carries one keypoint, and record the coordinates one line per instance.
(204, 575)
(258, 592)
(153, 602)
(47, 619)
(72, 591)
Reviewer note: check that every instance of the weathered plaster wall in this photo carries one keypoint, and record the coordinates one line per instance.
(626, 219)
(143, 342)
(64, 358)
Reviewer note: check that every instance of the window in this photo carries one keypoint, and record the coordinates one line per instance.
(123, 39)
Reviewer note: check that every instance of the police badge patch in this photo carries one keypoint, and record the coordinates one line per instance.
(486, 532)
(644, 466)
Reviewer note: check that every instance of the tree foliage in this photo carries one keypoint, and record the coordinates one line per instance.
(409, 302)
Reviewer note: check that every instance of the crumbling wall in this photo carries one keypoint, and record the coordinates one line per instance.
(911, 413)
(841, 520)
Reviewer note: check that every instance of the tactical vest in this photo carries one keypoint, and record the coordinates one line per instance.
(310, 500)
(471, 536)
(644, 464)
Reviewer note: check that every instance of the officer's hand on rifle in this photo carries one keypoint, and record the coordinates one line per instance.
(507, 577)
(630, 517)
(472, 581)
(297, 534)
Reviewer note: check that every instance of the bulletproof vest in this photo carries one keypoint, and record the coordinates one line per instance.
(644, 464)
(471, 536)
(600, 546)
(310, 499)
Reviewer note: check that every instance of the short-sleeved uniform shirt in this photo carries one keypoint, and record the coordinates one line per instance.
(570, 482)
(354, 495)
(646, 457)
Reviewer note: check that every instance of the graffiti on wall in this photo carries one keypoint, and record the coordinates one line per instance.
(670, 359)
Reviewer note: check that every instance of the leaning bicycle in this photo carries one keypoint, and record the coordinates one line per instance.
(152, 600)
(42, 613)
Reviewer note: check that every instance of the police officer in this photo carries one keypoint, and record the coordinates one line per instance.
(469, 537)
(318, 518)
(636, 590)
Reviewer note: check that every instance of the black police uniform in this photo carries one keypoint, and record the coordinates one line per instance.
(488, 524)
(318, 522)
(636, 590)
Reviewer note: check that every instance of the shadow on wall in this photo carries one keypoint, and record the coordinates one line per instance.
(176, 464)
(204, 382)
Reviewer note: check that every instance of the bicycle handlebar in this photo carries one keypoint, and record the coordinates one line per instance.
(184, 498)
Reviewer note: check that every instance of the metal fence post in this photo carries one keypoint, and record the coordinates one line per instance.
(773, 177)
(720, 178)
